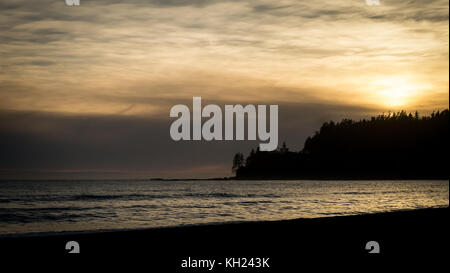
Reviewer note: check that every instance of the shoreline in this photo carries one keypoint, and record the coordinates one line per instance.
(47, 234)
(238, 179)
(413, 235)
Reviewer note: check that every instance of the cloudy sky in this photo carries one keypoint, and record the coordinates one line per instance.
(86, 91)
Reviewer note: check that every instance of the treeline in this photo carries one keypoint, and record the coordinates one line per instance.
(389, 146)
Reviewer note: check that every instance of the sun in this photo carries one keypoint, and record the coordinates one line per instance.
(396, 95)
(396, 91)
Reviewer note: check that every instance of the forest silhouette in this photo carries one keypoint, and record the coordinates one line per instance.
(389, 146)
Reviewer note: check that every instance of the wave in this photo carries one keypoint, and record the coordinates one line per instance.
(354, 192)
(134, 197)
(43, 217)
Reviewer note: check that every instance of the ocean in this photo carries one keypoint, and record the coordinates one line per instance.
(101, 205)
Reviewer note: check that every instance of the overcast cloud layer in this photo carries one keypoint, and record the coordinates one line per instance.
(88, 89)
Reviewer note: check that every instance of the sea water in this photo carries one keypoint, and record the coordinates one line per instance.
(87, 205)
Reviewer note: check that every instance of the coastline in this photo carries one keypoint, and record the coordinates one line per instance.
(312, 178)
(323, 220)
(414, 233)
(277, 178)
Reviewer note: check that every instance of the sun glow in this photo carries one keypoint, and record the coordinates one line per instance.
(395, 92)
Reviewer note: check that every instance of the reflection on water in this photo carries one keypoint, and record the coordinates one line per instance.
(48, 206)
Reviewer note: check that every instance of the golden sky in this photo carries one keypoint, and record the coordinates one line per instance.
(116, 57)
(318, 60)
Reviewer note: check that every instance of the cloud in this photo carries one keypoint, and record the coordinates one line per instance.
(52, 143)
(121, 65)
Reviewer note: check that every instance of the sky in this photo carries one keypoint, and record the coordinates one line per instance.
(85, 91)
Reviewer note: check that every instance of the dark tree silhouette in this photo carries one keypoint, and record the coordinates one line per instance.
(389, 146)
(238, 162)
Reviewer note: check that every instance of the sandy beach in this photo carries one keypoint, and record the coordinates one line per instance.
(416, 235)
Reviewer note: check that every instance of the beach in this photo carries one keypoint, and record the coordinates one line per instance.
(417, 235)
